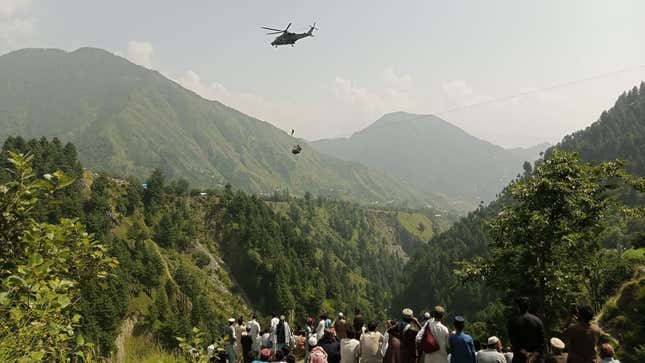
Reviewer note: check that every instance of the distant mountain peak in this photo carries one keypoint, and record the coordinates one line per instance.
(127, 119)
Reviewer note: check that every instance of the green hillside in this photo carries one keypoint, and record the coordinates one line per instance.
(129, 120)
(190, 260)
(430, 273)
(433, 153)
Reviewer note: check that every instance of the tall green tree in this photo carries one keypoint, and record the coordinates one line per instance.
(543, 242)
(41, 267)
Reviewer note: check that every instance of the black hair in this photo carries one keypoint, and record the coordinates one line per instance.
(291, 358)
(351, 334)
(585, 312)
(522, 304)
(371, 326)
(279, 355)
(459, 325)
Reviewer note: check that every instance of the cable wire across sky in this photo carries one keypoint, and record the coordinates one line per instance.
(549, 88)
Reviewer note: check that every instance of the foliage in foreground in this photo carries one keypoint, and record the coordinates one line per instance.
(41, 267)
(543, 244)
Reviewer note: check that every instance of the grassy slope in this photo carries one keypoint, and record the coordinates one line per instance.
(624, 317)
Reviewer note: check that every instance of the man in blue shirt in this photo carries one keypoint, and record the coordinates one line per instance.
(462, 349)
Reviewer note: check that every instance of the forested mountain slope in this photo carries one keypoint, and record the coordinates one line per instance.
(430, 274)
(191, 260)
(129, 120)
(619, 133)
(431, 152)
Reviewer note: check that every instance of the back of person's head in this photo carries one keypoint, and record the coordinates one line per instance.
(254, 316)
(279, 355)
(323, 316)
(291, 358)
(357, 311)
(606, 351)
(459, 322)
(351, 334)
(585, 313)
(328, 333)
(248, 329)
(493, 342)
(522, 304)
(372, 325)
(438, 312)
(240, 320)
(252, 355)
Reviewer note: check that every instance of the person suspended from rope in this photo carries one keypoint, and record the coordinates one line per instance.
(296, 148)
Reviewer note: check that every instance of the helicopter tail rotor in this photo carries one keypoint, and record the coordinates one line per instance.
(311, 29)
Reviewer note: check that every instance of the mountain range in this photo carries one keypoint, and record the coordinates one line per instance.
(433, 154)
(129, 120)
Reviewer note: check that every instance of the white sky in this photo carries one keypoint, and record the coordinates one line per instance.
(369, 57)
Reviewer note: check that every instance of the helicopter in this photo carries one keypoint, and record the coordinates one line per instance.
(287, 37)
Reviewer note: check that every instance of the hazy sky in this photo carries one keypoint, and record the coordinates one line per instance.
(369, 57)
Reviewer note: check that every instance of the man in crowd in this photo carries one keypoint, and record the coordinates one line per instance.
(607, 354)
(409, 327)
(283, 335)
(239, 328)
(492, 352)
(582, 337)
(246, 341)
(440, 333)
(231, 341)
(557, 352)
(462, 349)
(358, 323)
(320, 328)
(340, 326)
(331, 345)
(255, 332)
(526, 333)
(369, 349)
(349, 348)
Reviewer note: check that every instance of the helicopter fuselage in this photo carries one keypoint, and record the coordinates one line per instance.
(289, 38)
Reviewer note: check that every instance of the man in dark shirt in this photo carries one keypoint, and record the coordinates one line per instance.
(526, 333)
(331, 346)
(358, 323)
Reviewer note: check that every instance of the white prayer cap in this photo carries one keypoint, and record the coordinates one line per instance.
(556, 343)
(312, 341)
(493, 340)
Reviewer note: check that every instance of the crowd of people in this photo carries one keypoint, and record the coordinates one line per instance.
(412, 340)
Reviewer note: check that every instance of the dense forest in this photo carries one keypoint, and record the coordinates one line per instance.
(618, 242)
(189, 259)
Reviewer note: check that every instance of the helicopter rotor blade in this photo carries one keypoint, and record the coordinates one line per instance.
(287, 28)
(280, 32)
(275, 30)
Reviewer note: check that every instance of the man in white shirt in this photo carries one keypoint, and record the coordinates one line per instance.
(320, 329)
(349, 347)
(255, 332)
(231, 341)
(274, 322)
(492, 352)
(440, 333)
